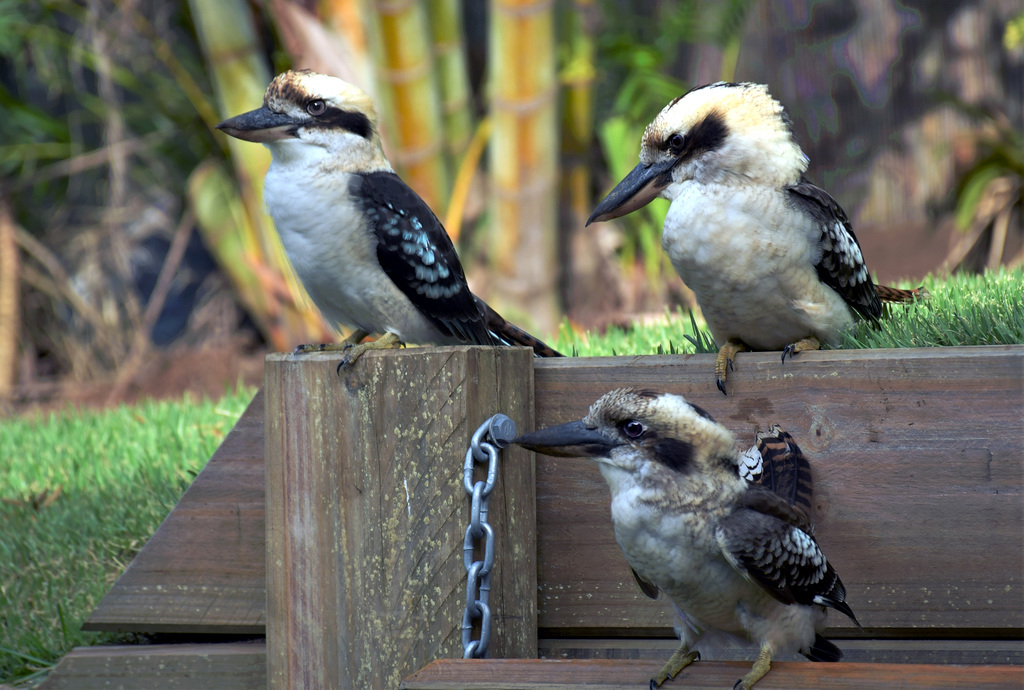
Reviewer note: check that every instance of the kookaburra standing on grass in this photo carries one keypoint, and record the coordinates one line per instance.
(369, 251)
(771, 258)
(732, 555)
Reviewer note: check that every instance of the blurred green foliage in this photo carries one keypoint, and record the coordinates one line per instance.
(1001, 154)
(52, 56)
(638, 55)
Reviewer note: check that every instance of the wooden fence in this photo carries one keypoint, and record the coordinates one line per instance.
(335, 528)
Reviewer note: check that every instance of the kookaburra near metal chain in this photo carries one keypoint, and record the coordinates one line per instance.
(494, 434)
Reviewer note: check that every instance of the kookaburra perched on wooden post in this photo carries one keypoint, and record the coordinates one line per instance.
(771, 258)
(369, 251)
(732, 555)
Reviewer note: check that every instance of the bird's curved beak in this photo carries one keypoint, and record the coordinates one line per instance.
(260, 125)
(637, 189)
(570, 440)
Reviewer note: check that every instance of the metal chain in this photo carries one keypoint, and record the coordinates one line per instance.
(499, 431)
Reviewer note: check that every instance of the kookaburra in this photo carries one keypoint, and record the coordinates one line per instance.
(771, 258)
(732, 555)
(369, 251)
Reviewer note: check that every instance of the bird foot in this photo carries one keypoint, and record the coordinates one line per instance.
(761, 666)
(808, 343)
(723, 362)
(682, 658)
(388, 341)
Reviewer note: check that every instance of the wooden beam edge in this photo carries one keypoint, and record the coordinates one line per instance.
(820, 356)
(214, 666)
(501, 674)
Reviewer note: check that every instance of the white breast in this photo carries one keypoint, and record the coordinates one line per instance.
(749, 258)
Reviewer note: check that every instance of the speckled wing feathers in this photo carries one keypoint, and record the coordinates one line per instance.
(417, 254)
(770, 542)
(841, 266)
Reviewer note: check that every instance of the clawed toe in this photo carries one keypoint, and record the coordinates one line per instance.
(808, 343)
(724, 361)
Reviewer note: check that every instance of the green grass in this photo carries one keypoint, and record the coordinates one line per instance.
(964, 309)
(80, 493)
(674, 333)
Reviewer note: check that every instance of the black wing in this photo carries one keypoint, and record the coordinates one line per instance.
(770, 542)
(841, 266)
(416, 253)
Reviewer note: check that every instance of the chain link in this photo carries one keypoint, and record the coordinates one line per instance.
(499, 431)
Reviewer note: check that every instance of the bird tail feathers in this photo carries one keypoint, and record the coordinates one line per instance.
(823, 650)
(509, 334)
(898, 296)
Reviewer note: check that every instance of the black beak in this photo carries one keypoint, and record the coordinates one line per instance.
(570, 440)
(259, 125)
(637, 189)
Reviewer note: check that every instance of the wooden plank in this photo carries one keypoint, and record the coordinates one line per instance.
(884, 651)
(919, 471)
(242, 666)
(203, 570)
(366, 512)
(489, 674)
(903, 418)
(228, 666)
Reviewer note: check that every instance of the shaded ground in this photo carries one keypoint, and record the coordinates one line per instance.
(203, 372)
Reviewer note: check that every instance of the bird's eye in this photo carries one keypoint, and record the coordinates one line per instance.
(675, 143)
(633, 429)
(316, 107)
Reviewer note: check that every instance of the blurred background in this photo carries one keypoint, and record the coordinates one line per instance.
(136, 259)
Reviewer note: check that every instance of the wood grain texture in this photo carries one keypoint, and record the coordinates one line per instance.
(203, 570)
(242, 666)
(487, 674)
(877, 651)
(918, 461)
(366, 512)
(229, 666)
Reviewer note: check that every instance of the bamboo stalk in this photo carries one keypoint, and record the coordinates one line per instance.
(452, 75)
(409, 102)
(464, 178)
(586, 283)
(10, 314)
(332, 41)
(228, 37)
(524, 157)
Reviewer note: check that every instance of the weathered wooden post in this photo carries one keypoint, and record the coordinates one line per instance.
(366, 512)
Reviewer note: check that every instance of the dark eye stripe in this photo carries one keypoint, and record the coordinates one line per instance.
(707, 135)
(354, 122)
(673, 454)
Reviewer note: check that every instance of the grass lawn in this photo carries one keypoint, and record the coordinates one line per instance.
(80, 493)
(963, 309)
